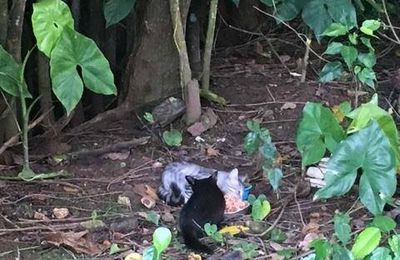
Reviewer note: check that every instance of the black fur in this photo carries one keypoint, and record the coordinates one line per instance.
(206, 205)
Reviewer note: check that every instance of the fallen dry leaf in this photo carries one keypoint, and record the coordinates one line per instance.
(124, 200)
(212, 152)
(233, 230)
(133, 256)
(78, 241)
(311, 227)
(277, 247)
(288, 105)
(151, 192)
(116, 156)
(40, 216)
(148, 202)
(305, 244)
(70, 189)
(60, 213)
(193, 256)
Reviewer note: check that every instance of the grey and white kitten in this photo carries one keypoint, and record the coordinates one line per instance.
(175, 190)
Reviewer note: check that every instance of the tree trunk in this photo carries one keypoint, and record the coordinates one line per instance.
(153, 67)
(44, 85)
(3, 21)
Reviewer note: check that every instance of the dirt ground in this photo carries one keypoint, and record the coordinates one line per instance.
(255, 90)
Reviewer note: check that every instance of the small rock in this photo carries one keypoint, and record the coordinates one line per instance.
(168, 217)
(168, 111)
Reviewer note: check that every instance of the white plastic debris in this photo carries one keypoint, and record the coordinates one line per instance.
(315, 174)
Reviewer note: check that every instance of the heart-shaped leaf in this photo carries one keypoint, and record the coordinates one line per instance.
(384, 223)
(10, 75)
(369, 26)
(331, 71)
(368, 59)
(172, 138)
(251, 143)
(394, 243)
(116, 10)
(260, 209)
(381, 253)
(335, 29)
(72, 52)
(49, 19)
(275, 176)
(333, 48)
(366, 242)
(317, 131)
(370, 150)
(342, 227)
(349, 54)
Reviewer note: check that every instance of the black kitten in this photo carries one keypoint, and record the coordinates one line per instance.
(206, 205)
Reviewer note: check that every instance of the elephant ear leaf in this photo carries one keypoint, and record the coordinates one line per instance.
(370, 150)
(74, 51)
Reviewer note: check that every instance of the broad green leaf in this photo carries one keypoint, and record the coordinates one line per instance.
(114, 249)
(251, 143)
(394, 243)
(260, 209)
(370, 150)
(210, 229)
(253, 125)
(161, 239)
(331, 71)
(316, 16)
(275, 176)
(251, 199)
(116, 10)
(269, 3)
(237, 2)
(10, 74)
(342, 11)
(268, 150)
(149, 253)
(367, 76)
(172, 138)
(289, 9)
(381, 253)
(367, 43)
(369, 111)
(333, 48)
(341, 253)
(368, 59)
(153, 217)
(49, 18)
(366, 242)
(369, 26)
(345, 107)
(317, 123)
(353, 38)
(335, 29)
(384, 223)
(74, 51)
(349, 54)
(322, 248)
(342, 228)
(319, 14)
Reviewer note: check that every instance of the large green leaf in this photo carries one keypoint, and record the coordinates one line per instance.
(366, 242)
(317, 126)
(367, 76)
(368, 59)
(10, 75)
(349, 54)
(331, 71)
(48, 21)
(74, 51)
(370, 111)
(116, 10)
(319, 14)
(370, 150)
(335, 29)
(333, 48)
(289, 9)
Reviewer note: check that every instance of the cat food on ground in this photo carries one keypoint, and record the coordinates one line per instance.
(233, 203)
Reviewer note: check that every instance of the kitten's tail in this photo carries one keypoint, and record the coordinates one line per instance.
(173, 196)
(192, 242)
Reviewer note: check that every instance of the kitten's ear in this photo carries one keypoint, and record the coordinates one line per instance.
(190, 180)
(234, 173)
(214, 176)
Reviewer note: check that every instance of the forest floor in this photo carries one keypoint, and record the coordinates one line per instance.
(95, 185)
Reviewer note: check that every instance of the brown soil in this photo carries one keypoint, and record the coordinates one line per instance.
(254, 90)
